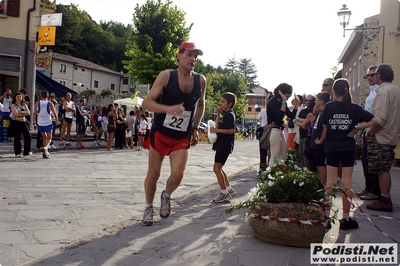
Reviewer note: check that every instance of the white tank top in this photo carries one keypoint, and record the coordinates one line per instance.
(69, 114)
(44, 113)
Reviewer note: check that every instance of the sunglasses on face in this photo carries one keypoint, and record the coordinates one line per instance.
(371, 75)
(326, 85)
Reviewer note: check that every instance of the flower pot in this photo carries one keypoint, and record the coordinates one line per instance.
(291, 233)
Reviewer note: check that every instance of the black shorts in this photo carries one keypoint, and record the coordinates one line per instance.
(319, 157)
(80, 128)
(68, 120)
(343, 158)
(221, 157)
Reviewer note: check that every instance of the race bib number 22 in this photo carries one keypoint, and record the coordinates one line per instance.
(177, 122)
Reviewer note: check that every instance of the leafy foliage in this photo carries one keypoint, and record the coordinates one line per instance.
(283, 182)
(88, 92)
(81, 37)
(107, 92)
(158, 31)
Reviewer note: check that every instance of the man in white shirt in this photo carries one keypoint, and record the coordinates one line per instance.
(371, 190)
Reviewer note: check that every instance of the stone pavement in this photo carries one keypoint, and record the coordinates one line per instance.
(84, 207)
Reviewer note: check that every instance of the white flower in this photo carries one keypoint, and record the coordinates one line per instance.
(282, 162)
(270, 177)
(301, 184)
(270, 183)
(294, 181)
(252, 193)
(282, 177)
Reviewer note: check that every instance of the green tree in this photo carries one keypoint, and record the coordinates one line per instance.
(248, 69)
(232, 65)
(223, 82)
(158, 30)
(79, 36)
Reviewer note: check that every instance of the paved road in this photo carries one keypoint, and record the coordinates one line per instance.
(84, 207)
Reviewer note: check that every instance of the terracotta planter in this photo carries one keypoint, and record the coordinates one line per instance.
(287, 233)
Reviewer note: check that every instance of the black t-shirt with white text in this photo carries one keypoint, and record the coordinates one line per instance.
(340, 121)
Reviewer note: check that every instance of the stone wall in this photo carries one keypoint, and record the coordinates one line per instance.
(370, 53)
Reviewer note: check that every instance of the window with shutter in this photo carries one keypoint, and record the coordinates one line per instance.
(13, 8)
(2, 8)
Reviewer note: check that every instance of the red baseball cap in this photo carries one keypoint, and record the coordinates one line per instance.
(190, 47)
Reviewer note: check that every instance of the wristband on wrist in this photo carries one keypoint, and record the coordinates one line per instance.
(195, 128)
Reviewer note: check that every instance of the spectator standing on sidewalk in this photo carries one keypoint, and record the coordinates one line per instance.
(276, 110)
(52, 98)
(338, 120)
(383, 136)
(120, 129)
(80, 122)
(309, 103)
(97, 118)
(175, 126)
(6, 98)
(69, 108)
(18, 126)
(131, 128)
(264, 153)
(111, 127)
(225, 130)
(42, 113)
(142, 131)
(371, 190)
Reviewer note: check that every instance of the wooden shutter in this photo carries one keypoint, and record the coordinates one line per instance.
(13, 8)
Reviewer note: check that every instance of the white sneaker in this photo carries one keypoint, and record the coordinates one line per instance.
(53, 146)
(95, 144)
(222, 198)
(61, 144)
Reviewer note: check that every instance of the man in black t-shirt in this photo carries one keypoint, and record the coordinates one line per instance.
(309, 103)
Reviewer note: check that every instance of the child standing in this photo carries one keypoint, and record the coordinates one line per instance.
(142, 131)
(338, 120)
(225, 130)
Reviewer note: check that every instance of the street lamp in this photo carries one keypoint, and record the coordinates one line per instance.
(255, 112)
(344, 18)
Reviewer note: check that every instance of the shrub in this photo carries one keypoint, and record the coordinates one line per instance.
(88, 92)
(107, 92)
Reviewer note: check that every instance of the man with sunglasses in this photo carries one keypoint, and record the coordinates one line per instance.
(327, 85)
(371, 190)
(383, 135)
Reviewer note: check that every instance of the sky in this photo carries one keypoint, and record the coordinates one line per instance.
(291, 41)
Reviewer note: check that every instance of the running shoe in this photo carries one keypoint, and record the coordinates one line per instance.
(165, 209)
(232, 193)
(148, 216)
(222, 198)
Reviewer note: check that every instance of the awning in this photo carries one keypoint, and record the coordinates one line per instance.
(45, 83)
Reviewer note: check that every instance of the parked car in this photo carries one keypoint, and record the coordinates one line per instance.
(203, 127)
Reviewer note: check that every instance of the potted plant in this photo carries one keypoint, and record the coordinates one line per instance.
(285, 206)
